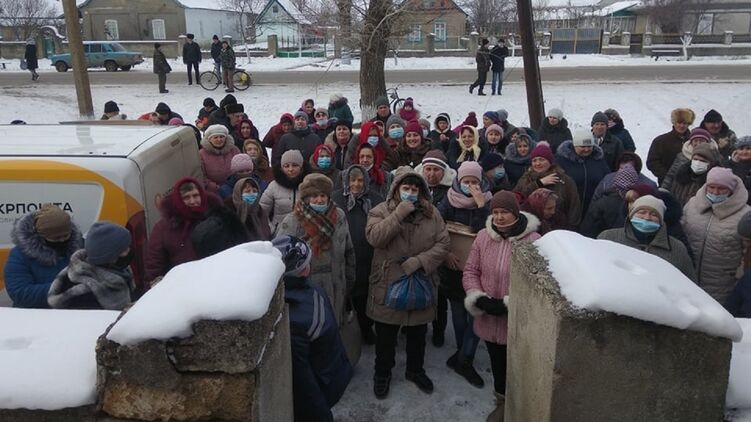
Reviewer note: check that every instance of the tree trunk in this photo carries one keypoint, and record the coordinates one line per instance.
(344, 18)
(373, 50)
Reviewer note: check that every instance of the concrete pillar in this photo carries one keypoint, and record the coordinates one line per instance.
(626, 38)
(474, 41)
(430, 45)
(181, 40)
(728, 40)
(605, 39)
(273, 45)
(647, 40)
(547, 37)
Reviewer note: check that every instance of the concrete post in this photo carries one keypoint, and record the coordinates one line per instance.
(626, 39)
(647, 39)
(605, 39)
(547, 37)
(273, 45)
(728, 40)
(181, 40)
(430, 45)
(474, 41)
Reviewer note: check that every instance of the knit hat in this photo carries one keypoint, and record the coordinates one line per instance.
(413, 126)
(296, 254)
(491, 161)
(543, 150)
(209, 102)
(744, 141)
(492, 115)
(52, 223)
(111, 107)
(241, 163)
(494, 127)
(502, 115)
(722, 176)
(228, 99)
(624, 178)
(215, 130)
(471, 119)
(175, 121)
(321, 110)
(612, 114)
(105, 242)
(469, 168)
(630, 157)
(234, 108)
(162, 108)
(435, 157)
(648, 201)
(684, 115)
(409, 102)
(345, 123)
(315, 183)
(707, 152)
(583, 138)
(700, 134)
(381, 101)
(292, 156)
(599, 117)
(555, 112)
(394, 120)
(506, 200)
(286, 117)
(712, 116)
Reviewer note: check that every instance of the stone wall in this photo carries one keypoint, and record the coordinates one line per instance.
(566, 364)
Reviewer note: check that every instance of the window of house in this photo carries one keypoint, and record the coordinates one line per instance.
(416, 34)
(275, 9)
(157, 29)
(439, 29)
(704, 24)
(110, 30)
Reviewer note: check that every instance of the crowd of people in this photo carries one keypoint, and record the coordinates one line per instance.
(365, 222)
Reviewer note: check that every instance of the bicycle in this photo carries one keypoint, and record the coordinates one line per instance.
(210, 79)
(395, 102)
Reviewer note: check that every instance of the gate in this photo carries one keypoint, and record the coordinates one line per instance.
(576, 41)
(636, 41)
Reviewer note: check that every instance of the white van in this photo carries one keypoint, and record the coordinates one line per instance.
(94, 172)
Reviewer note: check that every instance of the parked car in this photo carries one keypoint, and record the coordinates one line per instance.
(110, 55)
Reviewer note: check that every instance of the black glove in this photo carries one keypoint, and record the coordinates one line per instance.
(492, 306)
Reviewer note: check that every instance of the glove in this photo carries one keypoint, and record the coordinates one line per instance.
(492, 306)
(411, 265)
(404, 209)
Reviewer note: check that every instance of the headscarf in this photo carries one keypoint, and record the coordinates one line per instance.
(474, 149)
(187, 216)
(248, 213)
(378, 151)
(352, 198)
(376, 174)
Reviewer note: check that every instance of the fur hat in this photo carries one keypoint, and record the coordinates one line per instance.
(105, 242)
(722, 176)
(234, 108)
(599, 117)
(435, 157)
(712, 116)
(648, 201)
(506, 200)
(555, 112)
(491, 161)
(292, 156)
(315, 183)
(111, 107)
(241, 163)
(494, 127)
(583, 138)
(52, 223)
(682, 115)
(381, 101)
(215, 130)
(469, 168)
(543, 150)
(394, 120)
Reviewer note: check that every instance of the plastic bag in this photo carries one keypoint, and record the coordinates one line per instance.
(410, 293)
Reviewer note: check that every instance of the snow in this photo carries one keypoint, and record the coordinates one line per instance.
(600, 275)
(617, 7)
(739, 387)
(203, 4)
(236, 284)
(47, 357)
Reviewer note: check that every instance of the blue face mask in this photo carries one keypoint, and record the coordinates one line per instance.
(716, 199)
(644, 226)
(465, 189)
(396, 133)
(500, 173)
(319, 208)
(373, 140)
(324, 162)
(250, 198)
(409, 197)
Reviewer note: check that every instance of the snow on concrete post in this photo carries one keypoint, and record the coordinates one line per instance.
(209, 342)
(474, 41)
(180, 44)
(647, 41)
(728, 40)
(626, 39)
(273, 45)
(605, 39)
(686, 40)
(602, 332)
(430, 45)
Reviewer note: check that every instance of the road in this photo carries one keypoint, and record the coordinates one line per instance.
(446, 76)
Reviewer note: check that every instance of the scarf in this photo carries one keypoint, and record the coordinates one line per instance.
(459, 199)
(353, 198)
(318, 228)
(249, 214)
(187, 216)
(515, 229)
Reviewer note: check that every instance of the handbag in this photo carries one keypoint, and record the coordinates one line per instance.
(412, 292)
(24, 65)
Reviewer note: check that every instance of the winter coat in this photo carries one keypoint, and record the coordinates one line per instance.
(612, 148)
(482, 59)
(191, 53)
(30, 55)
(280, 196)
(215, 163)
(608, 212)
(227, 57)
(321, 370)
(686, 183)
(160, 63)
(739, 301)
(488, 273)
(275, 133)
(624, 135)
(334, 269)
(662, 245)
(435, 135)
(225, 190)
(342, 156)
(712, 232)
(606, 183)
(340, 110)
(323, 132)
(725, 139)
(420, 237)
(406, 156)
(569, 205)
(32, 264)
(82, 285)
(219, 117)
(497, 58)
(262, 232)
(587, 172)
(663, 150)
(216, 51)
(687, 152)
(554, 135)
(119, 116)
(300, 139)
(515, 164)
(742, 170)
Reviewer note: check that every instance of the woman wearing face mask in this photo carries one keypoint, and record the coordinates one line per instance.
(261, 167)
(466, 203)
(710, 220)
(408, 235)
(217, 150)
(740, 161)
(543, 203)
(645, 229)
(494, 139)
(697, 137)
(322, 162)
(395, 130)
(356, 199)
(412, 148)
(280, 197)
(245, 202)
(98, 276)
(691, 175)
(495, 172)
(318, 221)
(371, 134)
(519, 156)
(467, 149)
(367, 157)
(43, 242)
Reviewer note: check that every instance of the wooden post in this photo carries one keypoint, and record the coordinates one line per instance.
(535, 103)
(80, 71)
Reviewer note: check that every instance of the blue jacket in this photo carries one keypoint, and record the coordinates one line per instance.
(228, 186)
(739, 301)
(587, 172)
(320, 368)
(32, 265)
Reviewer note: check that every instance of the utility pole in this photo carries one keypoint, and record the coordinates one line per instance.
(80, 72)
(535, 103)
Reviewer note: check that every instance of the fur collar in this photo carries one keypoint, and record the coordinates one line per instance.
(567, 152)
(32, 244)
(283, 181)
(229, 143)
(533, 224)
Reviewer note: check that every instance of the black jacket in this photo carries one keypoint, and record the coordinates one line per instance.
(554, 135)
(216, 50)
(497, 58)
(160, 63)
(30, 55)
(191, 53)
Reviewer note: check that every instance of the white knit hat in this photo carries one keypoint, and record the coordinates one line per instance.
(648, 201)
(216, 130)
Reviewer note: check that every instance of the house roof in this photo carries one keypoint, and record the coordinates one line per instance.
(288, 7)
(619, 6)
(452, 5)
(190, 4)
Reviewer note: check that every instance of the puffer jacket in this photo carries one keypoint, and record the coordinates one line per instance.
(32, 265)
(554, 135)
(686, 183)
(280, 196)
(419, 237)
(712, 232)
(215, 163)
(488, 273)
(568, 197)
(587, 172)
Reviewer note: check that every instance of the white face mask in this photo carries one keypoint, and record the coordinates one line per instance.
(699, 167)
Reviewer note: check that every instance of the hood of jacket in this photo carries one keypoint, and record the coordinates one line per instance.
(424, 201)
(229, 143)
(25, 236)
(442, 116)
(533, 224)
(688, 151)
(449, 175)
(560, 127)
(567, 152)
(730, 206)
(512, 154)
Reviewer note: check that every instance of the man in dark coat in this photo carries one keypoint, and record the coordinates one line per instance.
(383, 111)
(497, 59)
(219, 117)
(483, 65)
(216, 51)
(665, 147)
(611, 146)
(721, 133)
(191, 57)
(30, 55)
(161, 68)
(165, 114)
(300, 138)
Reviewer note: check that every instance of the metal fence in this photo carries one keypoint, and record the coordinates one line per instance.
(576, 41)
(420, 43)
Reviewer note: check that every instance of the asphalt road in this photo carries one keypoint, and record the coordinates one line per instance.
(446, 76)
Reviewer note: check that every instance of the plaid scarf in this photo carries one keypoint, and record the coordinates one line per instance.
(318, 228)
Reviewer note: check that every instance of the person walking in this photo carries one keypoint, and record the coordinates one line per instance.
(161, 68)
(191, 57)
(497, 59)
(482, 59)
(30, 56)
(227, 57)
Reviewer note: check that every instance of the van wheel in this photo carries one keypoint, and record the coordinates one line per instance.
(61, 67)
(125, 68)
(110, 66)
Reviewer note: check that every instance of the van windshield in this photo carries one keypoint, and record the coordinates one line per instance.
(117, 47)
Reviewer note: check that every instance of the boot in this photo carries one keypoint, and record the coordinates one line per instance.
(381, 385)
(421, 380)
(472, 89)
(500, 406)
(453, 361)
(438, 337)
(480, 93)
(465, 369)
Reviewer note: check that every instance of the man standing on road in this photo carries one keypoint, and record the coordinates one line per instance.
(161, 68)
(483, 65)
(216, 50)
(497, 58)
(191, 57)
(227, 57)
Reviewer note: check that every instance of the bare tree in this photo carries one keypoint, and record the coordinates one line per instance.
(27, 16)
(488, 16)
(245, 10)
(375, 35)
(675, 16)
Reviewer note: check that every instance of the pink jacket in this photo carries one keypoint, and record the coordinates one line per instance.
(216, 163)
(488, 273)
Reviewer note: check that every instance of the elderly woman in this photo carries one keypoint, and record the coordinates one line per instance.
(467, 149)
(280, 196)
(740, 161)
(486, 279)
(691, 175)
(543, 204)
(322, 162)
(408, 236)
(318, 221)
(245, 202)
(697, 137)
(518, 157)
(217, 150)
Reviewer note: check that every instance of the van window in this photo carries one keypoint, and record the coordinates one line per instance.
(95, 48)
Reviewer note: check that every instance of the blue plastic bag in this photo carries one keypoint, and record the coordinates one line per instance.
(410, 293)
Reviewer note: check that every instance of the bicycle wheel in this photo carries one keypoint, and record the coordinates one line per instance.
(397, 104)
(209, 80)
(241, 80)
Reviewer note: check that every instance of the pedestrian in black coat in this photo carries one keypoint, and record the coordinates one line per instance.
(616, 128)
(216, 51)
(191, 57)
(483, 65)
(497, 60)
(554, 129)
(30, 55)
(161, 68)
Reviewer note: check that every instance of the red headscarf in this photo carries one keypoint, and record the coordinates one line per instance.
(187, 216)
(375, 173)
(317, 151)
(378, 151)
